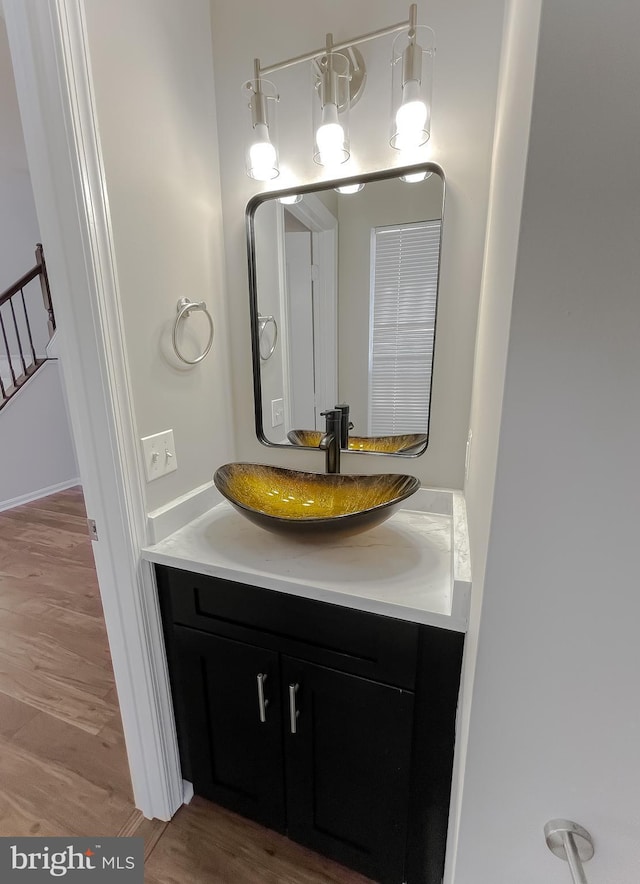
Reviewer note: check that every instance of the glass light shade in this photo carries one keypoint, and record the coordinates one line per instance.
(262, 155)
(262, 162)
(412, 67)
(350, 188)
(414, 177)
(331, 76)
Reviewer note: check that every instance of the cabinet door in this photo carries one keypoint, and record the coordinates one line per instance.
(347, 767)
(236, 758)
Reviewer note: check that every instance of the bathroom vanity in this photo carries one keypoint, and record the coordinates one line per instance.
(315, 685)
(315, 676)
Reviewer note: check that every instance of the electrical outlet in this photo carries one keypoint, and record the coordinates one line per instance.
(159, 453)
(277, 412)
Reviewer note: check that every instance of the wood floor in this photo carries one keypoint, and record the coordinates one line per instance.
(63, 766)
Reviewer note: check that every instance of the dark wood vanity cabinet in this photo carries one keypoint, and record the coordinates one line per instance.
(333, 726)
(347, 768)
(236, 760)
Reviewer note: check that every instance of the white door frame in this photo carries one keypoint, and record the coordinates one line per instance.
(297, 313)
(283, 302)
(48, 46)
(323, 224)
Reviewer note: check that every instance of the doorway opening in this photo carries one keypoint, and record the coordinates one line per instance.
(61, 730)
(309, 292)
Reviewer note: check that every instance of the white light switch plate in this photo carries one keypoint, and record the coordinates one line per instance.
(159, 453)
(277, 412)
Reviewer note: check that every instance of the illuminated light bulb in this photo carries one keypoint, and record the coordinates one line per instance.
(290, 200)
(411, 117)
(350, 188)
(262, 155)
(413, 177)
(330, 138)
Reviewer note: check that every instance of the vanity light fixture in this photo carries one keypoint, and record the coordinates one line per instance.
(262, 157)
(339, 76)
(412, 67)
(290, 200)
(350, 188)
(331, 82)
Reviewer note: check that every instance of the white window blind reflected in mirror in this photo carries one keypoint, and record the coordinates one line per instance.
(404, 289)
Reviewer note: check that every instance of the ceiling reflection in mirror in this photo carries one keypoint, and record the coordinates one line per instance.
(344, 289)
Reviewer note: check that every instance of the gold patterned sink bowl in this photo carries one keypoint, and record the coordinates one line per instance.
(405, 443)
(295, 502)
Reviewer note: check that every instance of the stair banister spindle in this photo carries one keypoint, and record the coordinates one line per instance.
(6, 348)
(26, 319)
(18, 339)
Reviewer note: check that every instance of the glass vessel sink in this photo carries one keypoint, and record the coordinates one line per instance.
(406, 443)
(312, 504)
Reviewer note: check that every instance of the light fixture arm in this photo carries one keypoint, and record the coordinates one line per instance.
(345, 44)
(413, 19)
(329, 88)
(412, 61)
(258, 102)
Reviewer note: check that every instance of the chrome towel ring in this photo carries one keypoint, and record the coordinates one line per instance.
(263, 322)
(184, 308)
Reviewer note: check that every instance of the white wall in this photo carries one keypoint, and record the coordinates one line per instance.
(37, 451)
(555, 723)
(153, 77)
(468, 48)
(19, 231)
(515, 96)
(18, 223)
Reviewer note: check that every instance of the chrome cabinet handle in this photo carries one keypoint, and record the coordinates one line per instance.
(262, 703)
(293, 712)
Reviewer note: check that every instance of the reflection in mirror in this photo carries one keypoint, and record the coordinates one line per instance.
(344, 292)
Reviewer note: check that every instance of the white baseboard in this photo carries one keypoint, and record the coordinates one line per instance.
(179, 512)
(36, 495)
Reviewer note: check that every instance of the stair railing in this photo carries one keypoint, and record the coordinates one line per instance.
(20, 360)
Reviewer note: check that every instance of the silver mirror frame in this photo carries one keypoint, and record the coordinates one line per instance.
(250, 211)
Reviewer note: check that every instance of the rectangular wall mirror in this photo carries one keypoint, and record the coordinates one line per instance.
(344, 291)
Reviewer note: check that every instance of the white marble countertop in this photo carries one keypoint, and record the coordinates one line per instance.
(413, 567)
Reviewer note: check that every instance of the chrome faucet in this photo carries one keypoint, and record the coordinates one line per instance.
(330, 441)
